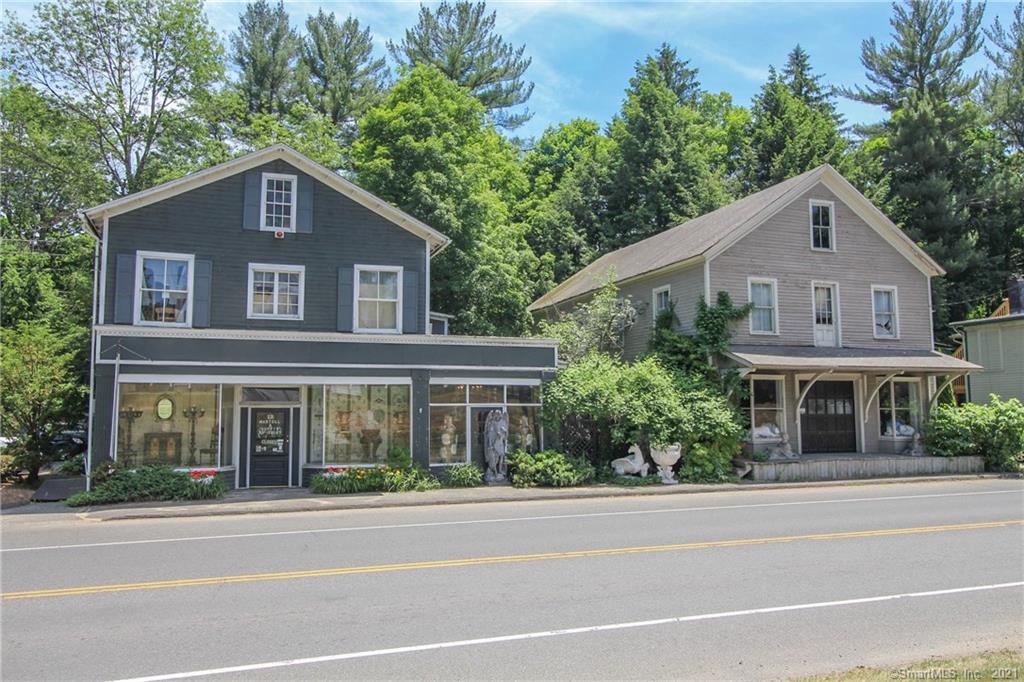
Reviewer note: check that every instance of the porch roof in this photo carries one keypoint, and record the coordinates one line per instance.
(811, 358)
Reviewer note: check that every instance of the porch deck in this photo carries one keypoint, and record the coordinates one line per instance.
(838, 467)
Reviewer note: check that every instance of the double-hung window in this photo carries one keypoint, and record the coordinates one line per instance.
(764, 315)
(765, 409)
(276, 291)
(886, 316)
(662, 299)
(163, 288)
(898, 408)
(277, 202)
(378, 305)
(823, 235)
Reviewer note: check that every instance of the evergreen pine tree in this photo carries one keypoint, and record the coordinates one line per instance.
(788, 136)
(661, 173)
(675, 73)
(460, 41)
(264, 49)
(341, 77)
(928, 54)
(806, 85)
(1004, 87)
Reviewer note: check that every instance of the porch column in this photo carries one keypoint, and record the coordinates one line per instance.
(421, 417)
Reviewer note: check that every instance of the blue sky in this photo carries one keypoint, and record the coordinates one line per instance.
(583, 52)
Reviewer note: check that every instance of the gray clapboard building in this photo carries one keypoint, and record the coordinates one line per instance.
(268, 318)
(838, 348)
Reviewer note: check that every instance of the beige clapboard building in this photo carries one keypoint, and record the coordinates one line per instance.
(838, 348)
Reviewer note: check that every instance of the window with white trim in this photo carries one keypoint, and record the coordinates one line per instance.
(164, 287)
(378, 293)
(764, 412)
(276, 291)
(886, 316)
(764, 313)
(822, 226)
(661, 299)
(277, 202)
(898, 409)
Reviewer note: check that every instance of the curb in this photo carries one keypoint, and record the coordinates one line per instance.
(471, 496)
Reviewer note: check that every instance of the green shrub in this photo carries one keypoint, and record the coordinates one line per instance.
(74, 466)
(549, 469)
(399, 458)
(344, 480)
(994, 431)
(8, 467)
(464, 476)
(150, 483)
(631, 481)
(713, 436)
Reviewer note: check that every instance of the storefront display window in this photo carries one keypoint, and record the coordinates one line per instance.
(169, 424)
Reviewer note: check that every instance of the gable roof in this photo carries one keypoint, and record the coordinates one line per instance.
(712, 233)
(97, 214)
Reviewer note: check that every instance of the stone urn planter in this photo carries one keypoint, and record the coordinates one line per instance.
(665, 457)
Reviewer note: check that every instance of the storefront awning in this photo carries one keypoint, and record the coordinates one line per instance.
(810, 359)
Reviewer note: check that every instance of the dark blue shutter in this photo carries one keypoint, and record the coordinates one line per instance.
(345, 293)
(203, 282)
(251, 202)
(410, 302)
(304, 211)
(124, 289)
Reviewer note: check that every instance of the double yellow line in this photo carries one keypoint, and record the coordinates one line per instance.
(485, 561)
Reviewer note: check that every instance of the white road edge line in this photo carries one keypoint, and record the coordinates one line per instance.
(561, 633)
(517, 519)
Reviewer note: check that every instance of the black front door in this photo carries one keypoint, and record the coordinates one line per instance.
(827, 420)
(271, 446)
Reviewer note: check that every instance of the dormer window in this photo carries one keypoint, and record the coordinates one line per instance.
(277, 202)
(823, 235)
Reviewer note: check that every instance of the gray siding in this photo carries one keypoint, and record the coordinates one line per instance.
(687, 286)
(310, 357)
(999, 348)
(207, 222)
(780, 248)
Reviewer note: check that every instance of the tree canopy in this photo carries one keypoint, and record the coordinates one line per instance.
(460, 40)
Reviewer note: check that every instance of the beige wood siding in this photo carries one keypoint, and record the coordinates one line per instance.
(687, 286)
(999, 348)
(781, 248)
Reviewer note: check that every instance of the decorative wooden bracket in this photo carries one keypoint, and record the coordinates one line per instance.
(807, 388)
(874, 393)
(949, 380)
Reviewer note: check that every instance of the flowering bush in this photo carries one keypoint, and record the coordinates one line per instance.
(204, 484)
(337, 480)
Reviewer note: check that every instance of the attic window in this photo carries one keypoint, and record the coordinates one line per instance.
(277, 202)
(822, 226)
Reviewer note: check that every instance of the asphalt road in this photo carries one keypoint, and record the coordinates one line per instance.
(737, 585)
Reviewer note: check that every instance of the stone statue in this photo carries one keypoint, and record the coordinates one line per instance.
(666, 457)
(915, 448)
(632, 465)
(783, 449)
(496, 446)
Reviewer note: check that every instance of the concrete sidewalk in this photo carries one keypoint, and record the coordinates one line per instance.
(278, 501)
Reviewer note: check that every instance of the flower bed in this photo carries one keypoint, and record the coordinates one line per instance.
(345, 480)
